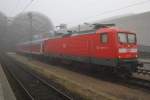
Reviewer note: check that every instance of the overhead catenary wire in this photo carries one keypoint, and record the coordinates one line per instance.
(14, 8)
(128, 6)
(31, 1)
(118, 9)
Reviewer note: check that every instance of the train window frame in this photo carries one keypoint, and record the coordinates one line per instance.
(101, 37)
(126, 37)
(135, 40)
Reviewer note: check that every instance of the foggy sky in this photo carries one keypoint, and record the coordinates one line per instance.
(73, 12)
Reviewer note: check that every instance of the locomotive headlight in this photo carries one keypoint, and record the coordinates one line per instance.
(123, 50)
(136, 55)
(133, 50)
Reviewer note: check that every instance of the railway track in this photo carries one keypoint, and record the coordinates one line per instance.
(133, 81)
(143, 71)
(145, 84)
(34, 87)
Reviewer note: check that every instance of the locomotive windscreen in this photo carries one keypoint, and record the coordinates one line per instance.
(126, 37)
(131, 38)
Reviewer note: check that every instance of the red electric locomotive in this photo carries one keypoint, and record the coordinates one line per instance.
(111, 47)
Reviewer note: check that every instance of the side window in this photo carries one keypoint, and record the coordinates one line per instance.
(104, 38)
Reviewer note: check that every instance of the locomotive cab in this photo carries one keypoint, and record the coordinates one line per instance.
(127, 47)
(127, 51)
(118, 48)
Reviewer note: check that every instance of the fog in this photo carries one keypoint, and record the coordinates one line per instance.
(23, 20)
(24, 28)
(3, 29)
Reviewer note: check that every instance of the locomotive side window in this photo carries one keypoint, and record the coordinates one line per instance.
(104, 37)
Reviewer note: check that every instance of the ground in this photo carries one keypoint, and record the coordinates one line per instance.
(88, 87)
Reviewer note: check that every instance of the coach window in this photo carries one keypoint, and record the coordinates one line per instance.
(104, 38)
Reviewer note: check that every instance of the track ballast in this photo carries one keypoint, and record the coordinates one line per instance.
(34, 87)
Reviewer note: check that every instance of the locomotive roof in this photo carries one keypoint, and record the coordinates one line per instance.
(113, 29)
(80, 33)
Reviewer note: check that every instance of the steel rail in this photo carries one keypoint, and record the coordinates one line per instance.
(13, 64)
(145, 84)
(143, 71)
(46, 83)
(27, 94)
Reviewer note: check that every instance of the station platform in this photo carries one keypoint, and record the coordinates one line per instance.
(6, 92)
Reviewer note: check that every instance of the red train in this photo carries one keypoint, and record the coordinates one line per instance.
(111, 47)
